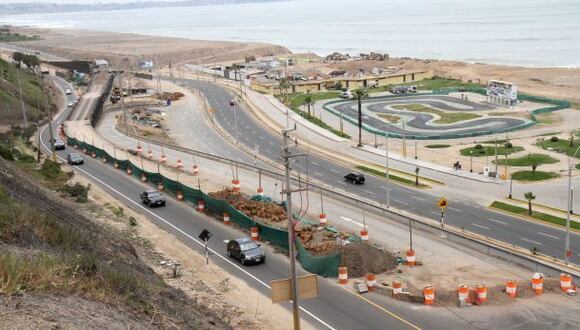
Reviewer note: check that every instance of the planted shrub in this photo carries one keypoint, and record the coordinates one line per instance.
(554, 139)
(509, 145)
(77, 191)
(478, 146)
(5, 152)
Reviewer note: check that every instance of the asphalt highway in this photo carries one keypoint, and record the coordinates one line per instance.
(472, 217)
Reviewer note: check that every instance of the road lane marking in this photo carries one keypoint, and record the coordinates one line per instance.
(315, 163)
(342, 183)
(318, 173)
(436, 213)
(417, 198)
(498, 221)
(543, 234)
(402, 203)
(369, 192)
(350, 220)
(480, 226)
(454, 209)
(334, 171)
(530, 241)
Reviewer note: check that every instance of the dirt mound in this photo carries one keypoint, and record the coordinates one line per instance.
(317, 240)
(364, 258)
(260, 211)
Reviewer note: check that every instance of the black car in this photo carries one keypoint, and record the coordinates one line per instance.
(74, 159)
(246, 250)
(355, 177)
(153, 198)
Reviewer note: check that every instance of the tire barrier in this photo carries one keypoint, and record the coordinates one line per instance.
(397, 289)
(254, 234)
(371, 282)
(565, 282)
(342, 275)
(463, 293)
(364, 235)
(227, 220)
(511, 288)
(322, 218)
(195, 170)
(236, 185)
(538, 283)
(411, 260)
(429, 295)
(480, 294)
(201, 206)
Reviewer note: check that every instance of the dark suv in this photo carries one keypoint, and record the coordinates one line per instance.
(153, 198)
(246, 250)
(355, 177)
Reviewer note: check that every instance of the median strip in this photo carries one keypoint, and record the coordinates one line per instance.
(395, 178)
(539, 216)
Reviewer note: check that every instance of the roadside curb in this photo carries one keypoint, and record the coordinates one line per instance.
(554, 209)
(528, 218)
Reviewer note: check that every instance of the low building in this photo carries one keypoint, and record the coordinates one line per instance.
(101, 64)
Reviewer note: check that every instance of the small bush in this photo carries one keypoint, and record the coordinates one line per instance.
(119, 212)
(509, 145)
(50, 169)
(478, 146)
(554, 139)
(132, 222)
(77, 191)
(6, 152)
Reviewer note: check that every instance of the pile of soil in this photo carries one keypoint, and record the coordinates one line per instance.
(363, 258)
(318, 241)
(260, 211)
(171, 96)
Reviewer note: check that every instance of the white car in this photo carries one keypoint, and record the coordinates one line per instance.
(70, 104)
(346, 95)
(68, 91)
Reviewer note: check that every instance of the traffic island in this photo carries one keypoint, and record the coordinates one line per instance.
(537, 216)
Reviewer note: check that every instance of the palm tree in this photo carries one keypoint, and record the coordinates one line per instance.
(360, 94)
(417, 175)
(283, 86)
(530, 197)
(308, 102)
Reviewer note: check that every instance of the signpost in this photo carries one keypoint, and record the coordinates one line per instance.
(205, 235)
(442, 204)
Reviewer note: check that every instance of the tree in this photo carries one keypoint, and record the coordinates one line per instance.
(308, 102)
(360, 94)
(530, 197)
(283, 86)
(18, 57)
(571, 139)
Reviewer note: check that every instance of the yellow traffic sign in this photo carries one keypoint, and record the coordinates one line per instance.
(442, 203)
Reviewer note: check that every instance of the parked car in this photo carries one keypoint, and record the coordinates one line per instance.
(59, 144)
(346, 95)
(355, 177)
(75, 159)
(153, 198)
(246, 250)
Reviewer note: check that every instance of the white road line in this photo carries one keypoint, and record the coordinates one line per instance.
(530, 241)
(417, 198)
(402, 203)
(315, 163)
(436, 213)
(350, 220)
(454, 209)
(480, 226)
(342, 183)
(369, 192)
(334, 171)
(193, 239)
(543, 234)
(498, 221)
(318, 173)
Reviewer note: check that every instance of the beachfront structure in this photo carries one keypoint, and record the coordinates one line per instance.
(101, 64)
(344, 82)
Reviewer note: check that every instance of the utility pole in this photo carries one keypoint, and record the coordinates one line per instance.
(404, 141)
(287, 156)
(496, 164)
(387, 169)
(568, 252)
(22, 100)
(49, 109)
(233, 105)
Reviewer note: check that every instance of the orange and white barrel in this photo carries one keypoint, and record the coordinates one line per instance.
(227, 220)
(342, 275)
(129, 170)
(150, 154)
(94, 154)
(104, 159)
(195, 170)
(143, 177)
(179, 195)
(201, 205)
(162, 159)
(260, 191)
(236, 185)
(511, 288)
(254, 234)
(116, 165)
(411, 261)
(397, 289)
(139, 149)
(364, 235)
(160, 186)
(179, 164)
(322, 217)
(538, 283)
(463, 292)
(565, 282)
(481, 293)
(371, 282)
(429, 295)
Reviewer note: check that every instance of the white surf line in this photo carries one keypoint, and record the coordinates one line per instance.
(498, 221)
(402, 203)
(350, 220)
(551, 236)
(454, 209)
(417, 198)
(369, 192)
(480, 226)
(530, 241)
(190, 237)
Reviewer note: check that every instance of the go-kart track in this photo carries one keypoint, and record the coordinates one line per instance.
(421, 125)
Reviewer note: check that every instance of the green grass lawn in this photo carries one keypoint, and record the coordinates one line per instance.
(490, 151)
(438, 146)
(14, 37)
(391, 177)
(533, 176)
(528, 160)
(536, 215)
(298, 100)
(561, 146)
(446, 117)
(389, 118)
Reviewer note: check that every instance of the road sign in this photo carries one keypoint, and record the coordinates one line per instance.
(307, 288)
(442, 203)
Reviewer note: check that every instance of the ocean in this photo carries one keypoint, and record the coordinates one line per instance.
(534, 33)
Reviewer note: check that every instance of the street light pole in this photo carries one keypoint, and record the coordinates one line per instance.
(569, 207)
(511, 187)
(387, 169)
(234, 110)
(471, 161)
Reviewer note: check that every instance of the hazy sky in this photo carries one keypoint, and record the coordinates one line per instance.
(75, 1)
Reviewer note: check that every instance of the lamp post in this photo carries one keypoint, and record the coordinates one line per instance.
(387, 169)
(569, 207)
(471, 161)
(233, 105)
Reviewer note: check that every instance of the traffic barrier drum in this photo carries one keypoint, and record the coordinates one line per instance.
(129, 170)
(179, 195)
(481, 293)
(429, 295)
(371, 281)
(116, 165)
(179, 164)
(538, 283)
(322, 217)
(511, 288)
(565, 282)
(463, 292)
(364, 235)
(236, 185)
(94, 154)
(160, 186)
(254, 233)
(162, 159)
(411, 261)
(195, 170)
(104, 159)
(342, 275)
(143, 177)
(139, 148)
(201, 205)
(260, 191)
(150, 154)
(397, 289)
(226, 218)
